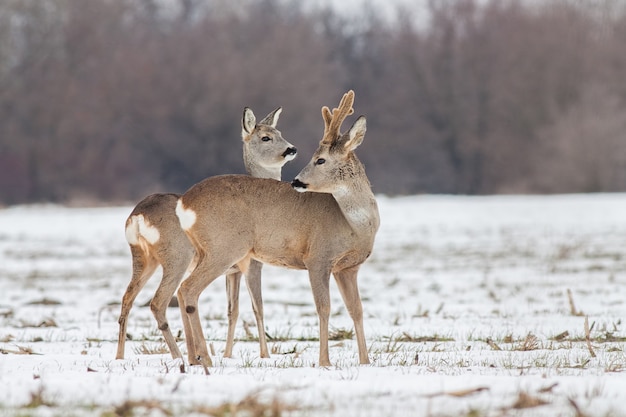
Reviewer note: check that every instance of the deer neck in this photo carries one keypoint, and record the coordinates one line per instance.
(259, 171)
(358, 205)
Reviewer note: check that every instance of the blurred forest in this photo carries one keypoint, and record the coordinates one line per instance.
(109, 100)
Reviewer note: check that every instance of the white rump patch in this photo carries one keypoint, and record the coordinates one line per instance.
(132, 231)
(149, 232)
(138, 228)
(187, 217)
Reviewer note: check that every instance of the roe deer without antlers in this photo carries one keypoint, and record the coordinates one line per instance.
(155, 238)
(231, 220)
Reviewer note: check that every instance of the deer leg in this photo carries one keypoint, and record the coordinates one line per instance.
(143, 268)
(183, 315)
(321, 295)
(205, 272)
(233, 282)
(191, 351)
(253, 283)
(347, 283)
(172, 275)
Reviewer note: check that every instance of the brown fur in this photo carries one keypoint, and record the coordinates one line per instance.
(174, 252)
(235, 219)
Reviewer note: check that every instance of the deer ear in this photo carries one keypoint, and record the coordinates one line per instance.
(272, 118)
(356, 134)
(248, 122)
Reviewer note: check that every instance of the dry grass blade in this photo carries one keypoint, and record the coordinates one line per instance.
(579, 413)
(249, 334)
(7, 338)
(493, 344)
(459, 393)
(45, 302)
(588, 338)
(48, 323)
(466, 392)
(20, 351)
(547, 389)
(529, 343)
(572, 307)
(127, 408)
(525, 400)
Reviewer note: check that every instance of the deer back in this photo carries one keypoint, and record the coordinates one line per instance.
(269, 221)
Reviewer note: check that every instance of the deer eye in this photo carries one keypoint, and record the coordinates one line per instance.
(266, 138)
(319, 161)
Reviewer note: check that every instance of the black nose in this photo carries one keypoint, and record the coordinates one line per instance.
(290, 151)
(298, 184)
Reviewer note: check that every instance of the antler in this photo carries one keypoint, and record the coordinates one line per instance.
(333, 121)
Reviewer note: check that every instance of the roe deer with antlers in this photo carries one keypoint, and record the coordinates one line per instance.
(233, 219)
(155, 238)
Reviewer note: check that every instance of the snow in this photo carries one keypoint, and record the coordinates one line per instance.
(451, 279)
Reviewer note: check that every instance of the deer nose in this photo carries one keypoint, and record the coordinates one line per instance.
(290, 151)
(298, 185)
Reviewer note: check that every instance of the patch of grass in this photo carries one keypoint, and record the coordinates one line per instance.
(605, 337)
(276, 349)
(39, 399)
(616, 366)
(151, 349)
(341, 334)
(393, 345)
(405, 337)
(561, 336)
(286, 336)
(525, 400)
(7, 338)
(131, 408)
(21, 350)
(44, 302)
(530, 342)
(250, 405)
(47, 322)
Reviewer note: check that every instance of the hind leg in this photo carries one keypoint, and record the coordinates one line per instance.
(202, 276)
(173, 271)
(143, 268)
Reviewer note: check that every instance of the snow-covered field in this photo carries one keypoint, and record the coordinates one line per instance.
(466, 306)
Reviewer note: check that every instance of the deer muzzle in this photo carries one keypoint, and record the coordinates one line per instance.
(298, 185)
(290, 152)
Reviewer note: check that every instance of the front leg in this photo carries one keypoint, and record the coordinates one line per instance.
(253, 283)
(319, 278)
(347, 283)
(232, 290)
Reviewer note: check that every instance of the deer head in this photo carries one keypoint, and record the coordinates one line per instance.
(334, 166)
(265, 150)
